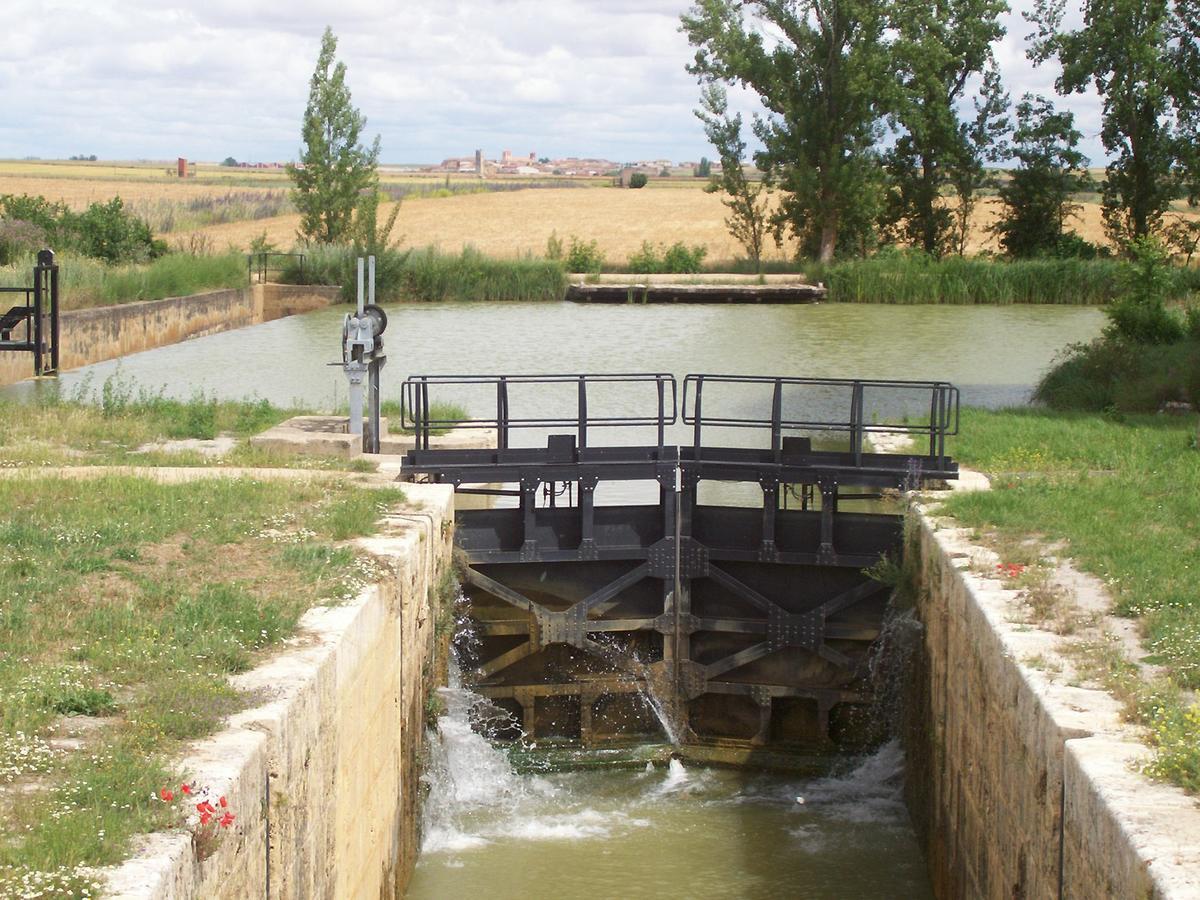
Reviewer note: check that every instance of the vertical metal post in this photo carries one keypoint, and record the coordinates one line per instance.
(425, 430)
(38, 291)
(582, 413)
(777, 420)
(54, 317)
(661, 412)
(502, 413)
(856, 422)
(356, 375)
(696, 416)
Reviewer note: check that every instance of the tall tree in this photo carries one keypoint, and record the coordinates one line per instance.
(746, 200)
(336, 170)
(820, 69)
(1036, 198)
(981, 141)
(939, 46)
(1125, 50)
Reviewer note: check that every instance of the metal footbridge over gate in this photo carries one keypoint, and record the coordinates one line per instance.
(726, 582)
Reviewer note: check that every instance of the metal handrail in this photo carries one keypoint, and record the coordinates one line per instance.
(259, 263)
(943, 410)
(415, 405)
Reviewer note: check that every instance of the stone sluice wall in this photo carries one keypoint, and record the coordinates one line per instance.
(323, 772)
(1022, 785)
(108, 332)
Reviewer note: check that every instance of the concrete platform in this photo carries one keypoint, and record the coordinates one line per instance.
(329, 436)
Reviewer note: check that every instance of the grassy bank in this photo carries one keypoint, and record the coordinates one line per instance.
(87, 282)
(118, 424)
(431, 275)
(125, 607)
(1124, 498)
(904, 278)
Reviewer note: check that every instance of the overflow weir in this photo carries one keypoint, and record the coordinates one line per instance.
(745, 617)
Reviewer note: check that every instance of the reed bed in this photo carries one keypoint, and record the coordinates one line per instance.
(88, 282)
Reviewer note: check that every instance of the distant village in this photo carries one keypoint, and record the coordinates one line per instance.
(567, 167)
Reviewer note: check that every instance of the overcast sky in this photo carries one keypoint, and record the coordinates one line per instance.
(132, 79)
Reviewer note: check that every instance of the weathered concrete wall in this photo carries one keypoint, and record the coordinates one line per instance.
(1022, 785)
(279, 300)
(323, 775)
(107, 332)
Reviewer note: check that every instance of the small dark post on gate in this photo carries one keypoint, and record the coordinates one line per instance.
(31, 326)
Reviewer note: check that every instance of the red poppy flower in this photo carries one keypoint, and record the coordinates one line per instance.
(186, 788)
(227, 819)
(205, 818)
(167, 795)
(223, 802)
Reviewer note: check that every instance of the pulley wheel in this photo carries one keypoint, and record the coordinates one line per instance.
(378, 318)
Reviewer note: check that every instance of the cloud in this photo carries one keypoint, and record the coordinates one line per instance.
(142, 79)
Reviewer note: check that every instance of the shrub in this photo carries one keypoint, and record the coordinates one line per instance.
(106, 231)
(645, 261)
(638, 180)
(679, 259)
(584, 257)
(554, 246)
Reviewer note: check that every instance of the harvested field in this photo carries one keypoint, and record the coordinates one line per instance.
(501, 224)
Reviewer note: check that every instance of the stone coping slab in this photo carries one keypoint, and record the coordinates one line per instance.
(329, 436)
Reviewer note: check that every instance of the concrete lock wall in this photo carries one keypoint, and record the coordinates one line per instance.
(1022, 785)
(106, 332)
(323, 774)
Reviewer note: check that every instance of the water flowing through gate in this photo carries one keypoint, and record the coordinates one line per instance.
(725, 582)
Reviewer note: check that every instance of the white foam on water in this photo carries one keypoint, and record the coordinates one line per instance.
(872, 792)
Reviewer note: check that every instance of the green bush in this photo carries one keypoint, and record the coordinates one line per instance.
(676, 259)
(638, 180)
(584, 256)
(106, 231)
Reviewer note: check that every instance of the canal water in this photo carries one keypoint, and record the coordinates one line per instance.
(661, 831)
(669, 830)
(994, 353)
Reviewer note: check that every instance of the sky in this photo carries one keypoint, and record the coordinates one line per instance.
(135, 79)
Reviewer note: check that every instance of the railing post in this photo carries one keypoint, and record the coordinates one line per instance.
(502, 413)
(428, 412)
(777, 420)
(696, 416)
(856, 422)
(582, 413)
(661, 412)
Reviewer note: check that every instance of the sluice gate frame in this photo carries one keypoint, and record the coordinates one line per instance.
(750, 626)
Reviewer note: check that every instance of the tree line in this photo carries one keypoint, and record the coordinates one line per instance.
(864, 137)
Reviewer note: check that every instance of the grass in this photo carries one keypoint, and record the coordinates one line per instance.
(87, 282)
(438, 411)
(132, 602)
(905, 278)
(1123, 496)
(112, 425)
(430, 275)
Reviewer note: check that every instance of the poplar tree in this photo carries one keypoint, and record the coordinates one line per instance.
(335, 170)
(820, 69)
(939, 46)
(1128, 50)
(746, 200)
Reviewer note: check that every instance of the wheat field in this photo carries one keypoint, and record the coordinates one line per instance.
(502, 224)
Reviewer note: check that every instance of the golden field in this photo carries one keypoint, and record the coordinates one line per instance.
(503, 224)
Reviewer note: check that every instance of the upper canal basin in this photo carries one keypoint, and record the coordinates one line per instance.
(994, 353)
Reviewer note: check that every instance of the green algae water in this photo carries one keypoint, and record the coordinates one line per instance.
(994, 353)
